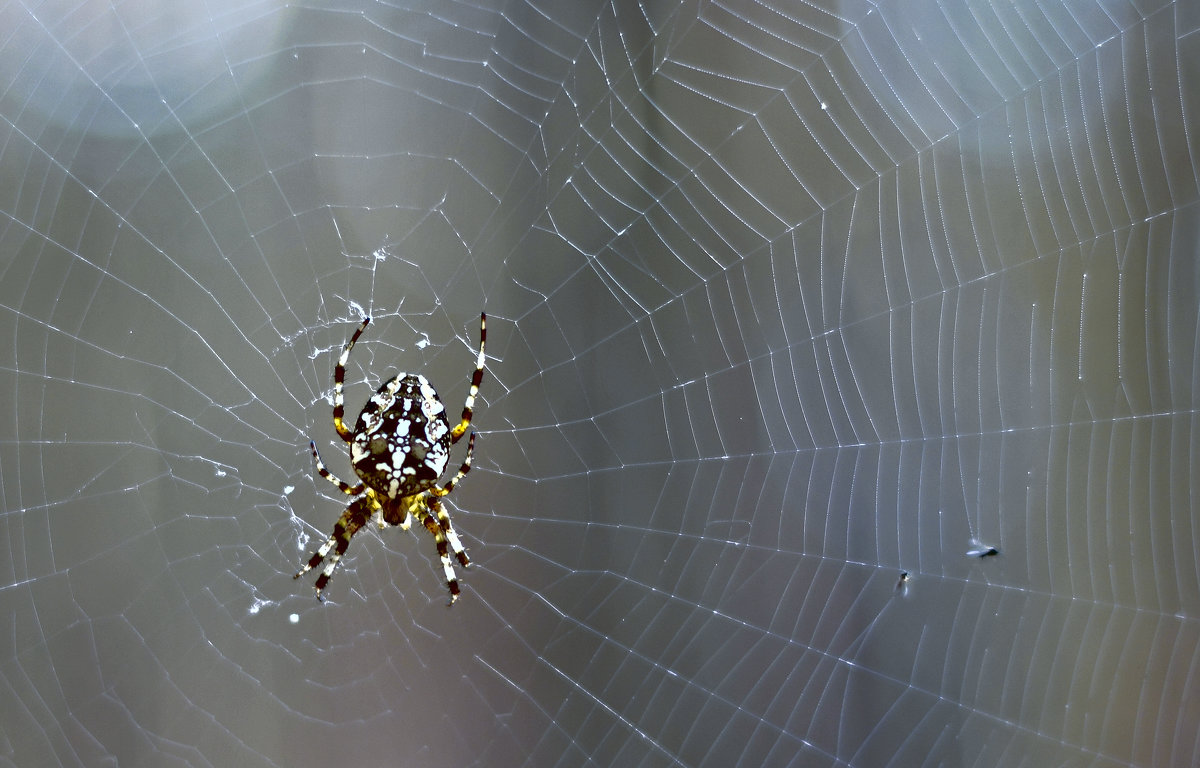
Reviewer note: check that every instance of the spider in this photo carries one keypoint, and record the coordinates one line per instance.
(399, 448)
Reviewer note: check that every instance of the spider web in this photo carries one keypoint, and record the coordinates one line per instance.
(784, 301)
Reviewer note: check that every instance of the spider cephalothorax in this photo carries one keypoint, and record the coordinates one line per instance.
(399, 448)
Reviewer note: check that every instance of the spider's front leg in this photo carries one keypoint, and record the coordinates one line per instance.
(448, 530)
(354, 518)
(437, 522)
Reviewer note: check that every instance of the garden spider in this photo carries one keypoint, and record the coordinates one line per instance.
(399, 448)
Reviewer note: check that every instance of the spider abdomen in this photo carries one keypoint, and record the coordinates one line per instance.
(401, 443)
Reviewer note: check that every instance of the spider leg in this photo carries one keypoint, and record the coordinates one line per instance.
(435, 494)
(469, 407)
(352, 519)
(339, 382)
(462, 472)
(349, 490)
(435, 528)
(448, 529)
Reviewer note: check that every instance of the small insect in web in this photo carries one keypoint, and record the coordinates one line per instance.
(399, 447)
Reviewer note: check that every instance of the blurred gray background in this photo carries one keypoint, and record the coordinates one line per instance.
(784, 300)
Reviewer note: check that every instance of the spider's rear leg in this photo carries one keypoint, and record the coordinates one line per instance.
(445, 490)
(469, 407)
(355, 517)
(339, 383)
(349, 490)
